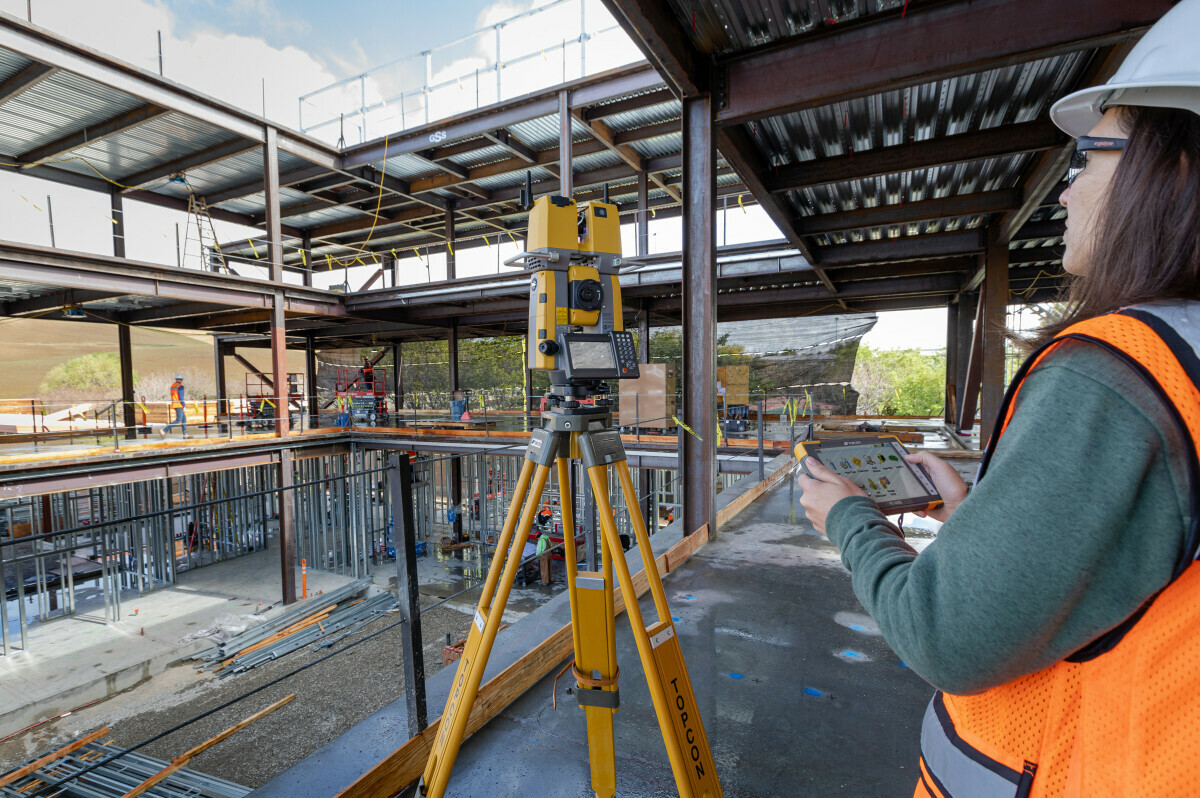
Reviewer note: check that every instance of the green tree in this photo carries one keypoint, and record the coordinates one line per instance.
(899, 382)
(86, 376)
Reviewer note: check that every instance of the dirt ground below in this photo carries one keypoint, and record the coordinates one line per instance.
(330, 698)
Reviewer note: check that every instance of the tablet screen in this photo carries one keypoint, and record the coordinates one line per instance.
(880, 470)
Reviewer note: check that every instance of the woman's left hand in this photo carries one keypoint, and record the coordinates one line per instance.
(822, 490)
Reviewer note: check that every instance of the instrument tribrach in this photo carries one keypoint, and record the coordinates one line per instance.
(576, 334)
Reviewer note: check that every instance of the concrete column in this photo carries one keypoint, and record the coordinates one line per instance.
(995, 307)
(566, 183)
(698, 455)
(275, 259)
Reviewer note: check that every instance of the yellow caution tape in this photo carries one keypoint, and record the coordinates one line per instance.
(686, 428)
(720, 435)
(415, 252)
(253, 248)
(144, 410)
(740, 205)
(303, 259)
(489, 243)
(450, 246)
(114, 221)
(329, 261)
(510, 235)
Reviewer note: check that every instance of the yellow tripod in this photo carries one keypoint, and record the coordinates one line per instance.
(583, 432)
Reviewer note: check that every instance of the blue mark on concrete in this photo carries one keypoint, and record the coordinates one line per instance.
(853, 654)
(675, 619)
(858, 627)
(813, 692)
(688, 598)
(736, 676)
(904, 665)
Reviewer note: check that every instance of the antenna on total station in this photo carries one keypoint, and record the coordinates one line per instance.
(527, 190)
(606, 200)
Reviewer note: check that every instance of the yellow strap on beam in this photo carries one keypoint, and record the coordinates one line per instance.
(686, 428)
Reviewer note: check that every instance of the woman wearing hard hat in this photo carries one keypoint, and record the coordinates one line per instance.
(1058, 610)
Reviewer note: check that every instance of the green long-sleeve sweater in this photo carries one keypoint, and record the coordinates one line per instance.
(1079, 519)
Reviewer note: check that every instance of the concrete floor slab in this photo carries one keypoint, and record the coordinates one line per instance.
(76, 659)
(798, 692)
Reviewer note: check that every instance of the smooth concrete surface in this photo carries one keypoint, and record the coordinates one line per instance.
(798, 692)
(76, 659)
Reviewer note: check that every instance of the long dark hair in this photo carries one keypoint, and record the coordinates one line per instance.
(1148, 242)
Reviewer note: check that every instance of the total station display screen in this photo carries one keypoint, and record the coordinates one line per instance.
(587, 355)
(880, 470)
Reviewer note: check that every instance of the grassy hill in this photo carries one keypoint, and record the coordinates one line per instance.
(31, 347)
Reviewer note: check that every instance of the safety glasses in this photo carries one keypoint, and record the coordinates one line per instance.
(1084, 145)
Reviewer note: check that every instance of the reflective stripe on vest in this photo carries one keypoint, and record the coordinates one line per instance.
(1137, 681)
(957, 769)
(176, 401)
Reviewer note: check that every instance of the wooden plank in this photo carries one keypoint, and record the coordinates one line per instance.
(182, 760)
(406, 764)
(22, 772)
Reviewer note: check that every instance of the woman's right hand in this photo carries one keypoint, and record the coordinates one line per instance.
(947, 481)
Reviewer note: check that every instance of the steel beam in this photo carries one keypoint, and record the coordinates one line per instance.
(511, 143)
(978, 145)
(91, 135)
(25, 80)
(699, 314)
(657, 32)
(206, 157)
(901, 248)
(970, 38)
(742, 155)
(647, 100)
(909, 212)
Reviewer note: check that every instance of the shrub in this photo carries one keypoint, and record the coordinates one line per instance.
(899, 382)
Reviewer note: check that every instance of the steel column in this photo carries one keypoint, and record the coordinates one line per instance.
(645, 500)
(310, 381)
(275, 260)
(698, 455)
(565, 174)
(456, 463)
(995, 307)
(450, 264)
(950, 401)
(405, 539)
(287, 528)
(968, 303)
(970, 394)
(398, 375)
(642, 218)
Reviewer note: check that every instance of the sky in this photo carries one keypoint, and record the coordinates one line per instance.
(262, 55)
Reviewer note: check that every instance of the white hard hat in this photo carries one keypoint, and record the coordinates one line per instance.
(1162, 70)
(179, 377)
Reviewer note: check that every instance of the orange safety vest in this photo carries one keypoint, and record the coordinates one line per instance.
(1122, 715)
(176, 402)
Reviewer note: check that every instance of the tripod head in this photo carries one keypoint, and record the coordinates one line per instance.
(576, 330)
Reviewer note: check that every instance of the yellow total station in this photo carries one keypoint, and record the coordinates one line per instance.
(573, 252)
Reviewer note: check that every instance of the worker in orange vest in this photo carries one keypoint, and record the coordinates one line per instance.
(177, 406)
(1058, 609)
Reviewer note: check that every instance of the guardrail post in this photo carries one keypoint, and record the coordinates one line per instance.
(404, 538)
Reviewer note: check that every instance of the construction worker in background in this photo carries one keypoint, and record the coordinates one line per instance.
(543, 552)
(177, 406)
(343, 408)
(1058, 609)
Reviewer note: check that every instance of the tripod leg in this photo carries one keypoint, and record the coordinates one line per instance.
(658, 646)
(593, 625)
(489, 615)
